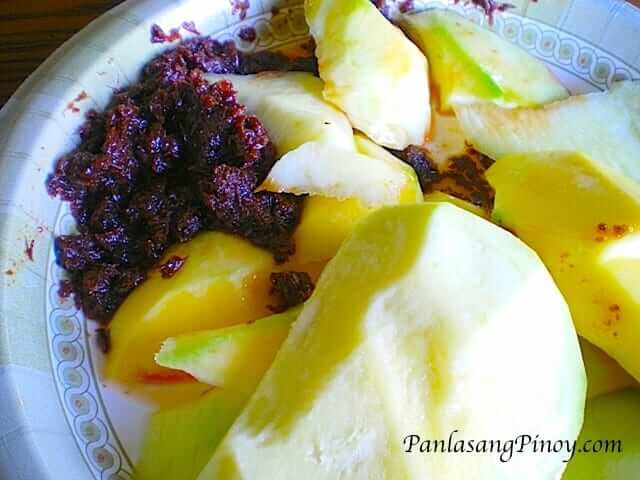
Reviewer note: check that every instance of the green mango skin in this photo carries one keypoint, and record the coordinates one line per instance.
(180, 440)
(234, 358)
(604, 126)
(471, 64)
(610, 417)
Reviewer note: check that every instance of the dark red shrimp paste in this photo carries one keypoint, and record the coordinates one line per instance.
(170, 156)
(174, 155)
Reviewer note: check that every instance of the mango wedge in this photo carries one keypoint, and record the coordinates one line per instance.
(584, 221)
(604, 375)
(367, 172)
(324, 225)
(179, 440)
(371, 71)
(224, 281)
(234, 358)
(612, 428)
(429, 319)
(471, 64)
(603, 126)
(291, 107)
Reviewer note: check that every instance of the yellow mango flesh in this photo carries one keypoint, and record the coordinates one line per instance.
(458, 202)
(584, 221)
(610, 439)
(223, 282)
(371, 71)
(471, 64)
(324, 225)
(408, 330)
(179, 440)
(327, 221)
(604, 375)
(234, 358)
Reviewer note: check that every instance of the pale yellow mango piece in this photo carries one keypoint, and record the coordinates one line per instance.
(583, 219)
(327, 221)
(471, 64)
(368, 172)
(604, 374)
(429, 319)
(604, 126)
(224, 281)
(292, 109)
(234, 358)
(179, 440)
(324, 225)
(371, 71)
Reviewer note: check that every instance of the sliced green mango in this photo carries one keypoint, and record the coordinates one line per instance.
(179, 440)
(370, 174)
(371, 71)
(603, 126)
(471, 64)
(291, 107)
(611, 438)
(584, 221)
(429, 320)
(234, 358)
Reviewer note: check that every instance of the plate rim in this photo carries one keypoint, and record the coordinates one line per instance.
(34, 465)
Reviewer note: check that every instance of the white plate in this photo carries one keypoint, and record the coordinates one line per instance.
(57, 421)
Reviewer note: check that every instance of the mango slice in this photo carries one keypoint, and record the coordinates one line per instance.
(320, 155)
(224, 281)
(324, 225)
(371, 71)
(603, 126)
(612, 430)
(584, 221)
(233, 358)
(471, 64)
(429, 319)
(291, 107)
(179, 440)
(370, 174)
